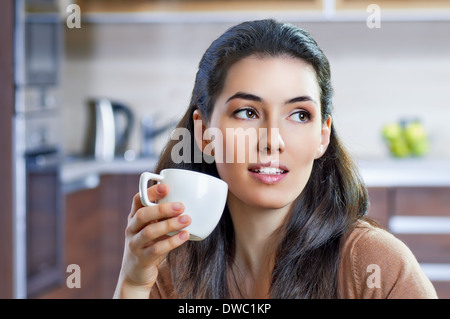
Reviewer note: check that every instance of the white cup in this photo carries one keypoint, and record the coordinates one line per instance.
(202, 195)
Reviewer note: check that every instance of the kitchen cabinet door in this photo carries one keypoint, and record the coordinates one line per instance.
(379, 205)
(392, 4)
(98, 6)
(95, 232)
(82, 245)
(421, 218)
(117, 193)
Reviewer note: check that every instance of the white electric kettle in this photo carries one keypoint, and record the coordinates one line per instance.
(110, 125)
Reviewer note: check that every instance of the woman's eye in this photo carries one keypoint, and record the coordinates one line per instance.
(300, 116)
(246, 114)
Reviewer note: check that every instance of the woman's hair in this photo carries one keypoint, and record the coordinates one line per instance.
(307, 257)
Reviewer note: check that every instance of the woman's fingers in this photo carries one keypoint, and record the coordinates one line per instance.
(147, 240)
(163, 247)
(151, 232)
(148, 227)
(155, 193)
(152, 214)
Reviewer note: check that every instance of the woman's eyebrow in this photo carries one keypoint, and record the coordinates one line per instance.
(255, 98)
(303, 98)
(245, 96)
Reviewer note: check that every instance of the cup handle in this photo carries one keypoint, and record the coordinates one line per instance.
(143, 185)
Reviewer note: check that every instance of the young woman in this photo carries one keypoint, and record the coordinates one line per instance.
(294, 225)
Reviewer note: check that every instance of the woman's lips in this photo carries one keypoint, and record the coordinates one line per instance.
(270, 173)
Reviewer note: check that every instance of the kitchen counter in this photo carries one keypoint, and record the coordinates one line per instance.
(85, 173)
(75, 168)
(81, 173)
(420, 172)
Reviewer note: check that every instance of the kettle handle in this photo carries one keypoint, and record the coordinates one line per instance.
(121, 141)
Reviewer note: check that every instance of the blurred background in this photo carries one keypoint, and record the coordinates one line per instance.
(92, 88)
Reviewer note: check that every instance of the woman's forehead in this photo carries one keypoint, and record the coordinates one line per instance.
(280, 76)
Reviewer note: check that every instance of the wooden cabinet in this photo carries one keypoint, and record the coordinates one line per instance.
(392, 4)
(117, 193)
(195, 5)
(82, 245)
(297, 10)
(379, 205)
(95, 222)
(420, 217)
(244, 5)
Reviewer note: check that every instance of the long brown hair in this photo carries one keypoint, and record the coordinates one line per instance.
(334, 198)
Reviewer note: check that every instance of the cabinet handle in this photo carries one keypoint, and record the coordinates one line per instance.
(436, 272)
(89, 181)
(419, 225)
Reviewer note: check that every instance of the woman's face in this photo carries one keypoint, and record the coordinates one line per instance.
(272, 131)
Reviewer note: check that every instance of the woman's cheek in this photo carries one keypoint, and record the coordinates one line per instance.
(223, 150)
(234, 147)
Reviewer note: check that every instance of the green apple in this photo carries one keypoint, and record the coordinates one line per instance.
(400, 148)
(392, 131)
(406, 138)
(416, 137)
(420, 148)
(415, 132)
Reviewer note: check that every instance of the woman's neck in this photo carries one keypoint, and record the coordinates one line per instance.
(256, 240)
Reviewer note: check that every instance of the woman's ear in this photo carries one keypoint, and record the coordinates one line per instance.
(324, 138)
(199, 131)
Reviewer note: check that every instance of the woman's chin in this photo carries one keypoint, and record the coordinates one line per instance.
(268, 201)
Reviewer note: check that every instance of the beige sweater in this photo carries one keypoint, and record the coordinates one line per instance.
(374, 264)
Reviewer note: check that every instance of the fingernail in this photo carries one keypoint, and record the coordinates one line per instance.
(184, 235)
(161, 188)
(183, 219)
(177, 206)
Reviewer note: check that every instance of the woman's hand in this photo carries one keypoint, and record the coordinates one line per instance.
(146, 242)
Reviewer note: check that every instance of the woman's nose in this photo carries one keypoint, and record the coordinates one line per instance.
(270, 141)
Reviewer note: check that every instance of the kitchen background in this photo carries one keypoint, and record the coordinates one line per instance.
(142, 56)
(379, 75)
